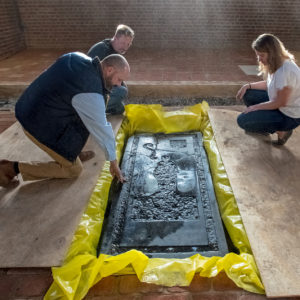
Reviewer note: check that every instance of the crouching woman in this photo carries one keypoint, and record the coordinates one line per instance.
(273, 105)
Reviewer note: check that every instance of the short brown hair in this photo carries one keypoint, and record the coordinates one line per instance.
(271, 44)
(124, 30)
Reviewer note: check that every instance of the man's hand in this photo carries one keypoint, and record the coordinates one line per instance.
(115, 171)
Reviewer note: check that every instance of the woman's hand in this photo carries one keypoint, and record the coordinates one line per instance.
(251, 108)
(115, 171)
(281, 100)
(240, 94)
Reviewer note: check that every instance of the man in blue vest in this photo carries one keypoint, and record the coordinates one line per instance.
(118, 44)
(60, 109)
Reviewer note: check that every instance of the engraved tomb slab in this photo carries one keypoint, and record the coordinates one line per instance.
(168, 207)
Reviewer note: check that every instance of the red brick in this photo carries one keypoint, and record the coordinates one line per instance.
(12, 40)
(200, 284)
(176, 289)
(255, 297)
(8, 113)
(30, 298)
(29, 271)
(212, 296)
(6, 120)
(130, 284)
(32, 285)
(6, 124)
(185, 296)
(3, 272)
(182, 76)
(251, 296)
(158, 24)
(222, 283)
(118, 297)
(106, 286)
(2, 129)
(6, 287)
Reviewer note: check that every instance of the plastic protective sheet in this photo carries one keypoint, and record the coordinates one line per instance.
(82, 269)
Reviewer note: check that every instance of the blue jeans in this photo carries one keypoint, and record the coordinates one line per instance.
(116, 100)
(264, 121)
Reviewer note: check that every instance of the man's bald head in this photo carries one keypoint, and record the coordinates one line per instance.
(115, 70)
(116, 61)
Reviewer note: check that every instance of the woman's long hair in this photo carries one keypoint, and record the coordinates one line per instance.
(270, 44)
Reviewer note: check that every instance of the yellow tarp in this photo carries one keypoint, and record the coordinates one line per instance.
(82, 269)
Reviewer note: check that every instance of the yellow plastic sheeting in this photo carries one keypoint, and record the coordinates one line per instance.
(82, 269)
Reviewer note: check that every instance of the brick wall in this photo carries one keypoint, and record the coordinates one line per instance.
(77, 24)
(11, 35)
(160, 24)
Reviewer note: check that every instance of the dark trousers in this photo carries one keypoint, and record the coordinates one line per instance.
(116, 104)
(264, 121)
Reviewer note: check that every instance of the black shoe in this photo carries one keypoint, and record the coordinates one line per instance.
(7, 173)
(286, 136)
(258, 133)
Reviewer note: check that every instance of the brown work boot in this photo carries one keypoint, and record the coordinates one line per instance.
(7, 172)
(86, 155)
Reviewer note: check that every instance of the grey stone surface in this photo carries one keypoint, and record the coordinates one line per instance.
(182, 101)
(167, 208)
(249, 69)
(9, 103)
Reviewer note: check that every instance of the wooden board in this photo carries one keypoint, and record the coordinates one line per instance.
(38, 219)
(266, 183)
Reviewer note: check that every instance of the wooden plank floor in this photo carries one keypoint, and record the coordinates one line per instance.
(7, 118)
(265, 182)
(38, 219)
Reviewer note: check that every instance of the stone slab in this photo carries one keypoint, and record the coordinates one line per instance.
(38, 219)
(249, 69)
(168, 206)
(265, 182)
(185, 89)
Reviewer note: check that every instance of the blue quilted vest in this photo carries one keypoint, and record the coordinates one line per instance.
(45, 108)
